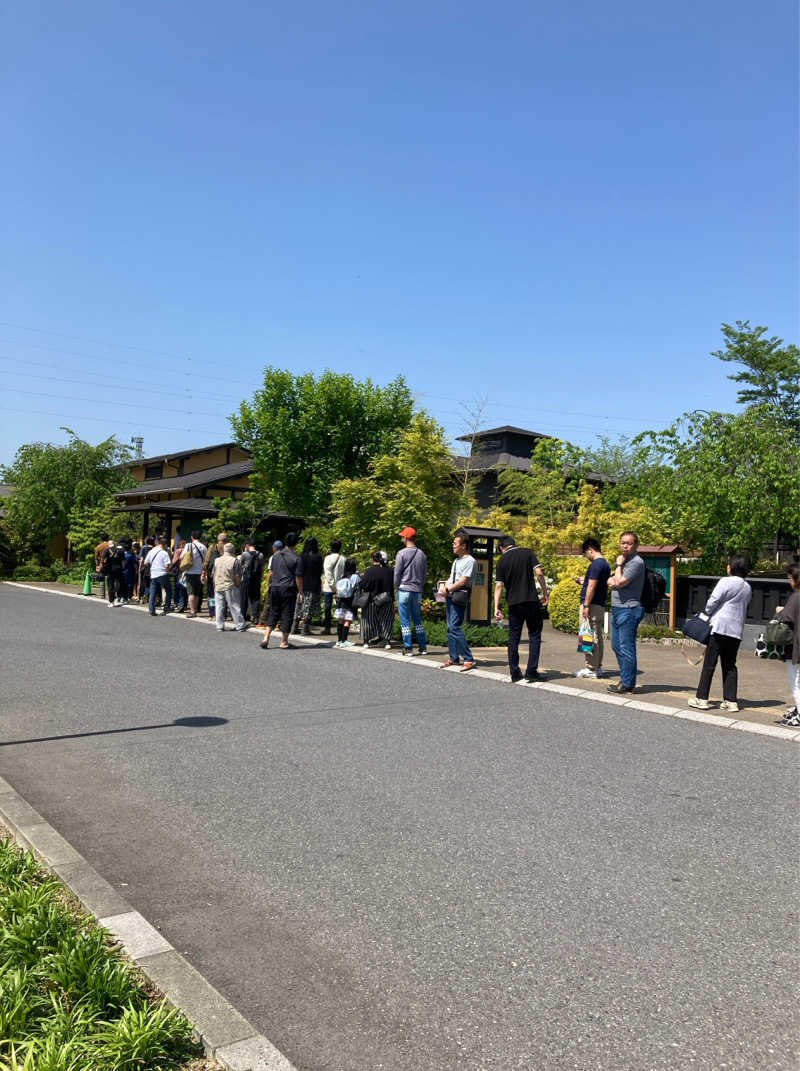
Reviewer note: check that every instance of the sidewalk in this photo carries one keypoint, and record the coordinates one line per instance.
(665, 676)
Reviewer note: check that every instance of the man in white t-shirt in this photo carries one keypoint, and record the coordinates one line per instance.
(457, 590)
(332, 570)
(159, 559)
(194, 584)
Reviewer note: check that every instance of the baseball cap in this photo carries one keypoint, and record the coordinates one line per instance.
(408, 532)
(277, 545)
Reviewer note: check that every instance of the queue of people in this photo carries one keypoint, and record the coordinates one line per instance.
(303, 585)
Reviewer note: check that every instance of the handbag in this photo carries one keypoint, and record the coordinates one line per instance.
(360, 599)
(383, 598)
(697, 628)
(779, 634)
(461, 596)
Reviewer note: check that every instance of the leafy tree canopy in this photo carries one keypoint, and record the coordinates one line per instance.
(306, 432)
(770, 373)
(413, 484)
(50, 482)
(724, 481)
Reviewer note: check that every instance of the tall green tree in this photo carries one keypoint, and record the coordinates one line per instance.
(724, 481)
(306, 432)
(549, 490)
(770, 372)
(52, 482)
(413, 484)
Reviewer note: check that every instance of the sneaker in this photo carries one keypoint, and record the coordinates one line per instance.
(515, 678)
(221, 629)
(111, 605)
(699, 704)
(338, 643)
(387, 647)
(534, 678)
(787, 717)
(347, 643)
(793, 722)
(423, 650)
(408, 652)
(589, 673)
(244, 627)
(730, 705)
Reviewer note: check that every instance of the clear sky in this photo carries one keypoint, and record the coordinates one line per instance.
(551, 207)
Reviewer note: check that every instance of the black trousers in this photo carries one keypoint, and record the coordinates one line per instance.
(530, 614)
(720, 649)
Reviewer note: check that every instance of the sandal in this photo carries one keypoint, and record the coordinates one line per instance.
(467, 666)
(448, 662)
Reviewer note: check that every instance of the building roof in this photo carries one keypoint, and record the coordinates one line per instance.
(204, 477)
(178, 454)
(666, 548)
(194, 505)
(494, 459)
(499, 431)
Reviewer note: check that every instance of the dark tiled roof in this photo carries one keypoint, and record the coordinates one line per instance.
(495, 459)
(178, 454)
(191, 479)
(506, 428)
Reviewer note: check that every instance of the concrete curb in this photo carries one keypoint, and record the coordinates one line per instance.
(778, 732)
(224, 1034)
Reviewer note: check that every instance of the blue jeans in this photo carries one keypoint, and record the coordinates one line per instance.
(160, 583)
(456, 640)
(409, 606)
(624, 623)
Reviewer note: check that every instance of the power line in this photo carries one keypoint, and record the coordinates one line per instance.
(114, 382)
(112, 404)
(105, 420)
(94, 341)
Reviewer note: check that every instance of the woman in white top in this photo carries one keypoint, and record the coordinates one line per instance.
(727, 609)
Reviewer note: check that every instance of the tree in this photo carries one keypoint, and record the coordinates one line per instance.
(771, 372)
(306, 432)
(51, 482)
(723, 481)
(548, 490)
(87, 522)
(413, 484)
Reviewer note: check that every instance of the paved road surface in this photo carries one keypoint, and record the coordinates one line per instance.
(386, 867)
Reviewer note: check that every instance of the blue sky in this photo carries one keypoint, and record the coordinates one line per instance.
(551, 207)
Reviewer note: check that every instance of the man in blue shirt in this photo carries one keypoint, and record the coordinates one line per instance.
(593, 605)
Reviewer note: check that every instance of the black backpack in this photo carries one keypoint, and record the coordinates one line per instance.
(653, 591)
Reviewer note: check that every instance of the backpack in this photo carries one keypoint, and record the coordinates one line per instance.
(653, 590)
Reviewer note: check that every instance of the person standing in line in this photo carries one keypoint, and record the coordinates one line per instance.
(180, 587)
(159, 560)
(727, 609)
(308, 606)
(790, 613)
(214, 551)
(144, 569)
(410, 574)
(457, 590)
(627, 584)
(113, 563)
(377, 617)
(129, 570)
(101, 564)
(332, 570)
(194, 586)
(519, 569)
(252, 561)
(227, 582)
(345, 612)
(285, 585)
(594, 593)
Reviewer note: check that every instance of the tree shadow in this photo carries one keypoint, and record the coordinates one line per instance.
(195, 722)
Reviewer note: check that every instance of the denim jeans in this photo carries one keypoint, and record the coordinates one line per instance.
(409, 606)
(530, 614)
(456, 640)
(160, 583)
(624, 624)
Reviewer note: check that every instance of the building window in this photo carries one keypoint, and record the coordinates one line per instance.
(154, 472)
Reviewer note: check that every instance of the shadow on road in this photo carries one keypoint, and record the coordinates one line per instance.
(199, 722)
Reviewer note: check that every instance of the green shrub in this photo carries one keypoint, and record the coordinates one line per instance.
(477, 635)
(33, 570)
(657, 632)
(565, 606)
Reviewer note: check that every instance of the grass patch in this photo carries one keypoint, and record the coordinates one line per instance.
(68, 1000)
(657, 632)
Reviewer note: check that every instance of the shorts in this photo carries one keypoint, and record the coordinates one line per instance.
(281, 608)
(194, 584)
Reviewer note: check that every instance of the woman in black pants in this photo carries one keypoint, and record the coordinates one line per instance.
(727, 609)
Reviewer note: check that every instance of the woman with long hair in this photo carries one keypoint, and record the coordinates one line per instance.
(344, 612)
(309, 606)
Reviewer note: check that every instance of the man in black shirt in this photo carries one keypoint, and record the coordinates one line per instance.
(516, 569)
(285, 584)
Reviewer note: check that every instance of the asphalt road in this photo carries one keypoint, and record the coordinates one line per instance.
(385, 867)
